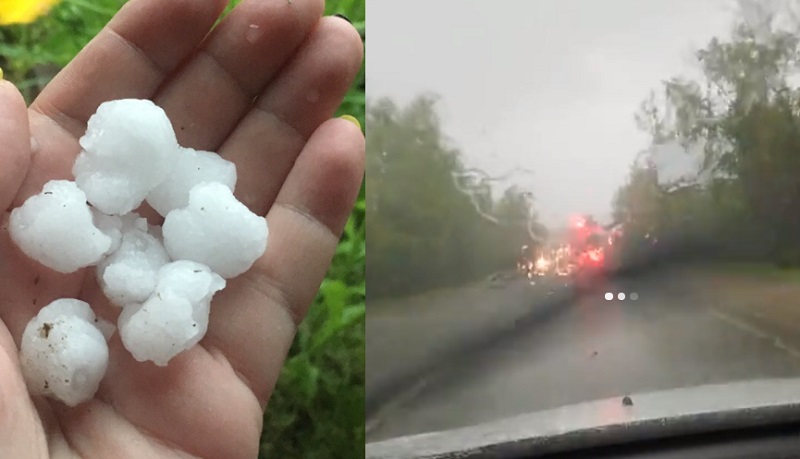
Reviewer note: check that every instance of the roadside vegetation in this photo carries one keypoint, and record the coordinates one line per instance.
(742, 120)
(432, 221)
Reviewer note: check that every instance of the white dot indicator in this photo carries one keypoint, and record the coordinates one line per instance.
(609, 296)
(634, 296)
(621, 296)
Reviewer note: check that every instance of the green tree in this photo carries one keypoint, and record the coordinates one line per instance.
(432, 221)
(743, 113)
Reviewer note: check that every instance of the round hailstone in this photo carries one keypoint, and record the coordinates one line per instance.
(56, 228)
(129, 148)
(175, 317)
(217, 230)
(191, 168)
(129, 274)
(64, 353)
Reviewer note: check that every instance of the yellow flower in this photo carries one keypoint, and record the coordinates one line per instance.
(23, 11)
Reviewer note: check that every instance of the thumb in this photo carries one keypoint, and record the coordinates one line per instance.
(15, 141)
(21, 432)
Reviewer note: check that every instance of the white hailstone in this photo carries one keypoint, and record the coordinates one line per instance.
(64, 353)
(129, 149)
(191, 168)
(56, 228)
(175, 317)
(217, 230)
(129, 274)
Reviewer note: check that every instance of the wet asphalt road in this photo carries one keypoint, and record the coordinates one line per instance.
(592, 348)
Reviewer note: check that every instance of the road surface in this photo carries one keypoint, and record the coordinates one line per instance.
(407, 337)
(687, 327)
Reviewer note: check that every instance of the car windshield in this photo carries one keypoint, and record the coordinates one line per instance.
(571, 200)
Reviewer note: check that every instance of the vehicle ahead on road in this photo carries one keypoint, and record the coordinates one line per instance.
(753, 419)
(580, 253)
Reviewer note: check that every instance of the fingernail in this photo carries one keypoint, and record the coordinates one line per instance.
(352, 119)
(343, 17)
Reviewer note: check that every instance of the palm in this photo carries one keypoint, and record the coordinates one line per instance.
(298, 169)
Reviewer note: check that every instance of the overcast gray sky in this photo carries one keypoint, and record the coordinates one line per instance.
(548, 85)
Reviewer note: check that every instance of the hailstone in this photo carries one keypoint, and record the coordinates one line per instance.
(64, 354)
(129, 149)
(175, 317)
(129, 274)
(217, 230)
(56, 228)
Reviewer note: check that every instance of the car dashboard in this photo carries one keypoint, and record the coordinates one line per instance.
(743, 420)
(780, 441)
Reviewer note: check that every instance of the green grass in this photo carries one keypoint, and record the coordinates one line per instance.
(317, 409)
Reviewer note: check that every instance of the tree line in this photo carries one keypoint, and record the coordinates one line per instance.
(431, 220)
(742, 118)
